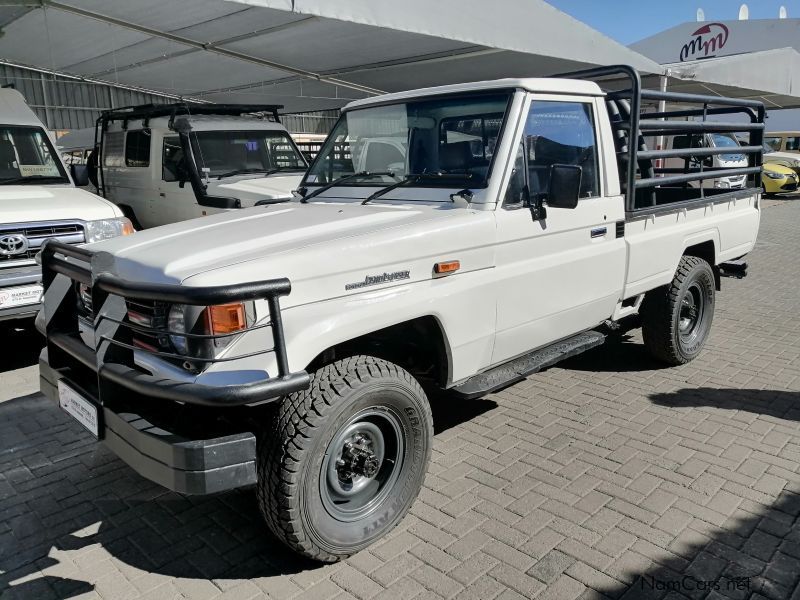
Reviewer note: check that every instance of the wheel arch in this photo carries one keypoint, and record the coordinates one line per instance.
(419, 345)
(128, 211)
(707, 250)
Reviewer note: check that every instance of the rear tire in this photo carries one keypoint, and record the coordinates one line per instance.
(676, 319)
(345, 459)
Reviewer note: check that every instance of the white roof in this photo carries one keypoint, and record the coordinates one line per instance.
(304, 54)
(534, 84)
(772, 76)
(14, 110)
(77, 139)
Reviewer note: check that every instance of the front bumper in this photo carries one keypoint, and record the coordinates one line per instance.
(27, 311)
(177, 462)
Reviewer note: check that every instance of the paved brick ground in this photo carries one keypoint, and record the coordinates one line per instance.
(608, 477)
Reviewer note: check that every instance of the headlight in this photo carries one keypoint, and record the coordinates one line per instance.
(177, 323)
(774, 175)
(221, 320)
(107, 228)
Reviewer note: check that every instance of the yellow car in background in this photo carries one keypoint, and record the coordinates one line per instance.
(778, 179)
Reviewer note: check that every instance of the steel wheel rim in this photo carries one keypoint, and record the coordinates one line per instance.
(371, 439)
(691, 314)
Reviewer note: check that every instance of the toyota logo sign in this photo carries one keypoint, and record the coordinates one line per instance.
(11, 245)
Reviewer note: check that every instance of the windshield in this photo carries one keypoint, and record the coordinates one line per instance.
(455, 136)
(26, 156)
(236, 152)
(727, 141)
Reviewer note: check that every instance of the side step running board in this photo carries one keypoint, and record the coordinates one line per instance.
(519, 368)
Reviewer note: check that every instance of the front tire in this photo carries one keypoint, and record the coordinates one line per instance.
(676, 319)
(345, 458)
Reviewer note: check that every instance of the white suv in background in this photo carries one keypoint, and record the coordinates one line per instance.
(39, 201)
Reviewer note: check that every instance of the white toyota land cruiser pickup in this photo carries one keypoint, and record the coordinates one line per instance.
(291, 346)
(39, 201)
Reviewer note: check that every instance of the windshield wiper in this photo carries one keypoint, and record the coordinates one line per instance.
(277, 169)
(34, 179)
(341, 180)
(242, 172)
(413, 178)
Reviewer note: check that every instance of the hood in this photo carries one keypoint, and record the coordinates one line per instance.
(26, 203)
(787, 159)
(250, 190)
(778, 168)
(325, 249)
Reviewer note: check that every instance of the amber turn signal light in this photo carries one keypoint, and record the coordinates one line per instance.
(226, 318)
(127, 227)
(445, 268)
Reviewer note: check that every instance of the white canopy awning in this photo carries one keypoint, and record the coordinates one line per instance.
(772, 76)
(305, 54)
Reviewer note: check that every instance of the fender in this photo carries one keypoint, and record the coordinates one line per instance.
(458, 303)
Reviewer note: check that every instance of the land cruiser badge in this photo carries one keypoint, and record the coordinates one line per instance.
(378, 279)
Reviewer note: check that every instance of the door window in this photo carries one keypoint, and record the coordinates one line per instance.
(561, 133)
(792, 144)
(172, 159)
(113, 147)
(137, 148)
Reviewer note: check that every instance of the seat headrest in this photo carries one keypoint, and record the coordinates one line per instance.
(455, 157)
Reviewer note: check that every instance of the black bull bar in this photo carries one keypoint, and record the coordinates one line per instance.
(111, 358)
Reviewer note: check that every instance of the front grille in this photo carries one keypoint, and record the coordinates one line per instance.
(36, 234)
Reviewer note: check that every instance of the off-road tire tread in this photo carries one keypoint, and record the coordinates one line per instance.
(293, 431)
(658, 325)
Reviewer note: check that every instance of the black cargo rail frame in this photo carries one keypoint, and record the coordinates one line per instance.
(637, 171)
(112, 357)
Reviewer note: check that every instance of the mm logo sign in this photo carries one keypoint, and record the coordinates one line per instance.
(705, 42)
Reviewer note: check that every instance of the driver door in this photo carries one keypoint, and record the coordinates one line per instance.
(562, 274)
(175, 201)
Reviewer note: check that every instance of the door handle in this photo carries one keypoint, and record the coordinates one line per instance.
(162, 194)
(599, 232)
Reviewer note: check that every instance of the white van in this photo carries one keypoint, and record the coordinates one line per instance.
(166, 163)
(735, 160)
(39, 201)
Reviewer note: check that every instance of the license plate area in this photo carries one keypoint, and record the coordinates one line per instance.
(20, 296)
(83, 410)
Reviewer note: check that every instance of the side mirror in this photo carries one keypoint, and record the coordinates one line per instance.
(565, 186)
(80, 174)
